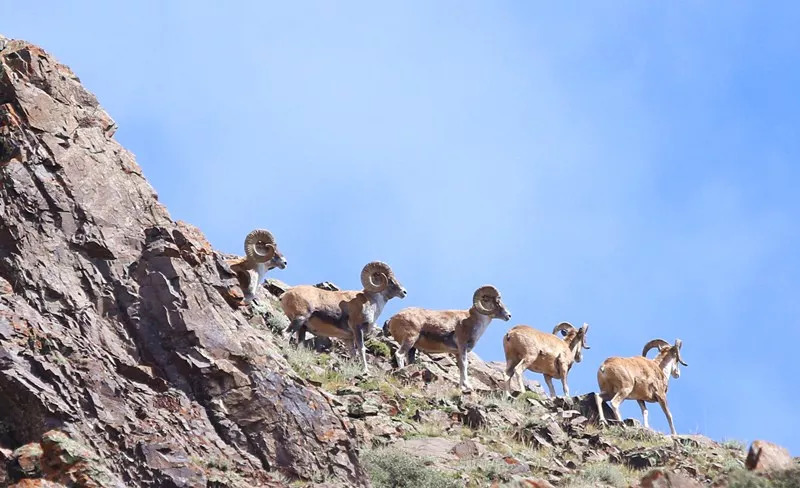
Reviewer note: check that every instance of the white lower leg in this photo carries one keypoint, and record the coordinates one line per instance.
(643, 406)
(462, 370)
(549, 381)
(598, 398)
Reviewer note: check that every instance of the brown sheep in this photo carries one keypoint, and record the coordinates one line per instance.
(446, 331)
(529, 349)
(641, 379)
(346, 315)
(261, 255)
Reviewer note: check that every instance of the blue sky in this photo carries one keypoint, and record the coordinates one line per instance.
(633, 166)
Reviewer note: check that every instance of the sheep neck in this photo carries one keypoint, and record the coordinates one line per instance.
(378, 300)
(476, 325)
(665, 362)
(575, 346)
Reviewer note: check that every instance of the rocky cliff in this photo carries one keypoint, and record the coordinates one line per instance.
(114, 322)
(126, 358)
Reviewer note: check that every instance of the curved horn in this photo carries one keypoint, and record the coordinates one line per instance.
(259, 246)
(484, 299)
(677, 346)
(375, 276)
(565, 326)
(654, 343)
(585, 330)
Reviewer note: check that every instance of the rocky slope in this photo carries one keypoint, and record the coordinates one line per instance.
(127, 360)
(414, 425)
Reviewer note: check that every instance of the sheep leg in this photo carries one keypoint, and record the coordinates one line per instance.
(511, 371)
(616, 402)
(295, 324)
(463, 365)
(301, 335)
(250, 288)
(412, 355)
(598, 398)
(665, 408)
(360, 347)
(403, 351)
(519, 371)
(549, 381)
(643, 406)
(564, 385)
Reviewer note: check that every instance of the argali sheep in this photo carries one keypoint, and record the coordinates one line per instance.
(529, 349)
(261, 255)
(446, 331)
(346, 315)
(641, 379)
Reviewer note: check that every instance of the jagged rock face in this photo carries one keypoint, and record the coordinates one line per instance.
(114, 324)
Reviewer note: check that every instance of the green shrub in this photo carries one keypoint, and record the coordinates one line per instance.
(392, 468)
(522, 397)
(630, 437)
(734, 445)
(270, 310)
(483, 472)
(378, 348)
(593, 474)
(748, 479)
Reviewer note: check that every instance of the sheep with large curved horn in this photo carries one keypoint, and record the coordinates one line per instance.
(641, 379)
(529, 349)
(261, 254)
(453, 331)
(346, 315)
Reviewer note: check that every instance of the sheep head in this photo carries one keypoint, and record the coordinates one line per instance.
(487, 301)
(573, 335)
(673, 351)
(260, 248)
(377, 277)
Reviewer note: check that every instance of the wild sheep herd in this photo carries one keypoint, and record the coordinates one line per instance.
(350, 315)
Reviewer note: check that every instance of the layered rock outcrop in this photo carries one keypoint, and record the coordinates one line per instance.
(115, 321)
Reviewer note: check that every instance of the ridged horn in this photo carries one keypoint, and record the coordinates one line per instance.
(654, 343)
(565, 326)
(484, 299)
(677, 346)
(585, 330)
(259, 246)
(375, 276)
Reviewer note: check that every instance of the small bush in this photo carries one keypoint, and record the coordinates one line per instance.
(522, 397)
(609, 474)
(483, 472)
(301, 359)
(270, 310)
(630, 437)
(733, 445)
(748, 479)
(391, 468)
(378, 348)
